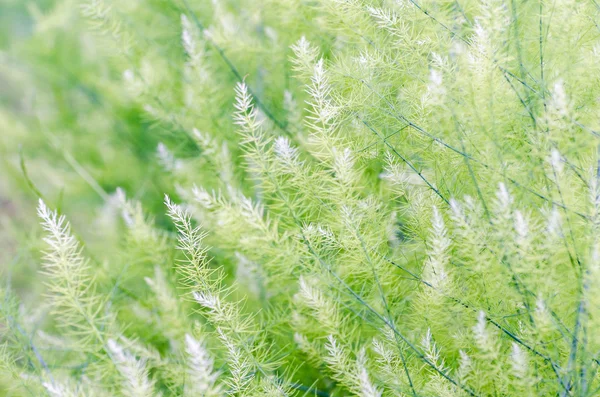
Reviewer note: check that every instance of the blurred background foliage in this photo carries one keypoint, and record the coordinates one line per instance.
(61, 139)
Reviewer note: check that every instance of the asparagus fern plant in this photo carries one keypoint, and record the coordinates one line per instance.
(300, 198)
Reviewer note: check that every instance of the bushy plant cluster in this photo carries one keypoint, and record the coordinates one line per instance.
(300, 198)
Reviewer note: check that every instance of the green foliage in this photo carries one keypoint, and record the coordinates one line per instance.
(300, 198)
